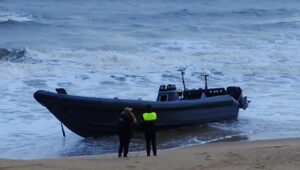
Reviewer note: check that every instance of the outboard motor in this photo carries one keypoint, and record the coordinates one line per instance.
(236, 93)
(167, 93)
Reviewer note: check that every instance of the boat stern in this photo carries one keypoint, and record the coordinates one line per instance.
(237, 94)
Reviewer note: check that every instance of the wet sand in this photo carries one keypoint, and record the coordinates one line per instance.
(243, 155)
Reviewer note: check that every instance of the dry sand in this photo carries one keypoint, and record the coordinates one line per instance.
(270, 155)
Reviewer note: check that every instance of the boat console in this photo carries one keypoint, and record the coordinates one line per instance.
(167, 93)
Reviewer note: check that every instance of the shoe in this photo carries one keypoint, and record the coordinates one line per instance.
(125, 156)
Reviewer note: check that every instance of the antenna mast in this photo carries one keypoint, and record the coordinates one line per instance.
(182, 77)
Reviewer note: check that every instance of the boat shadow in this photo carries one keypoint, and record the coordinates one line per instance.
(167, 138)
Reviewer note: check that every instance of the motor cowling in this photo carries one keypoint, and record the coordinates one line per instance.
(236, 93)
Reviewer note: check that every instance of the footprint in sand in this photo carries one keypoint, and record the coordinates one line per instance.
(205, 154)
(235, 155)
(130, 166)
(201, 154)
(259, 166)
(207, 158)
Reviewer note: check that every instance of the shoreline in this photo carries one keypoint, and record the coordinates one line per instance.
(260, 154)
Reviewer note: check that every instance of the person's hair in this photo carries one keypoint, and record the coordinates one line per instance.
(149, 108)
(127, 109)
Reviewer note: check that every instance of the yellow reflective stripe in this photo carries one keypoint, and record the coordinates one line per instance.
(149, 116)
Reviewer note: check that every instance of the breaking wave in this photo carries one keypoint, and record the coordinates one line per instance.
(257, 13)
(237, 13)
(14, 18)
(13, 55)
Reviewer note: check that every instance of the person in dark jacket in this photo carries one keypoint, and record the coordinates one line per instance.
(126, 121)
(148, 123)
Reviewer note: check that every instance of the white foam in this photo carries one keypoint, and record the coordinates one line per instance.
(4, 17)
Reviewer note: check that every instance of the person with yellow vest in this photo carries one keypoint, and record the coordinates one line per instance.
(148, 123)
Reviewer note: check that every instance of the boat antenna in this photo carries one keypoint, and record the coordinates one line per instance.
(206, 74)
(182, 76)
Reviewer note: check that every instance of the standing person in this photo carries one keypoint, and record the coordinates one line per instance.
(149, 119)
(126, 121)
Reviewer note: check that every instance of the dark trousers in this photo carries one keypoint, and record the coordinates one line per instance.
(150, 137)
(124, 144)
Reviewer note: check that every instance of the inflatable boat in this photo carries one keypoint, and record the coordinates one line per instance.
(92, 116)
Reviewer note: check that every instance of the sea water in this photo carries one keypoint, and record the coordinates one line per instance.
(127, 48)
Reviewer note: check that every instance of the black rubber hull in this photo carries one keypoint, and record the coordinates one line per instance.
(91, 117)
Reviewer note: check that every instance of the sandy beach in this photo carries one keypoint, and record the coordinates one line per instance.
(267, 154)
